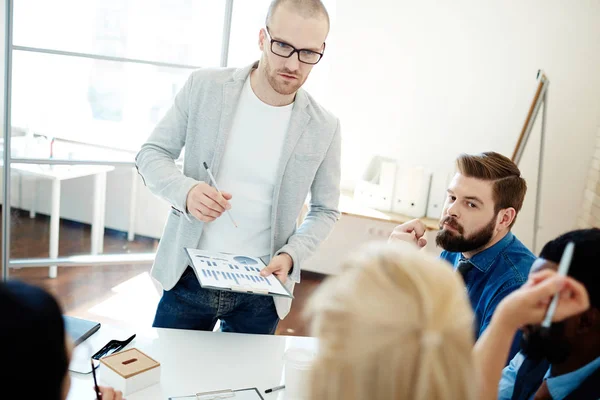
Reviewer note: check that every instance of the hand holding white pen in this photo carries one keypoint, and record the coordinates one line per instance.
(546, 297)
(206, 203)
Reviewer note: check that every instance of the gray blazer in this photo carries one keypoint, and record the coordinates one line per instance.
(199, 122)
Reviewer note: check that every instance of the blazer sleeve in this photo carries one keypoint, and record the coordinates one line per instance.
(155, 161)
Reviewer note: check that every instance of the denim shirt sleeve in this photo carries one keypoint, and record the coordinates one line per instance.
(509, 376)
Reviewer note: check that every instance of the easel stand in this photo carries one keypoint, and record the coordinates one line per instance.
(540, 100)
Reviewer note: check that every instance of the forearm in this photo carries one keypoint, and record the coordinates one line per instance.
(490, 353)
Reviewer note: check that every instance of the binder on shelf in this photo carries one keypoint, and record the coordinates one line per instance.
(411, 191)
(376, 187)
(440, 181)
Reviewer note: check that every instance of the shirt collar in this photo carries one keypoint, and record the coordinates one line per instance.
(484, 260)
(561, 386)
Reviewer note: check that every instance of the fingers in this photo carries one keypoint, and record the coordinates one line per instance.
(573, 297)
(547, 287)
(279, 266)
(575, 301)
(211, 205)
(269, 269)
(418, 228)
(281, 276)
(275, 269)
(414, 225)
(108, 393)
(206, 204)
(422, 242)
(541, 275)
(402, 237)
(199, 216)
(221, 203)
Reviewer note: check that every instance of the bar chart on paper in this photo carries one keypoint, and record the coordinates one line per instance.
(236, 273)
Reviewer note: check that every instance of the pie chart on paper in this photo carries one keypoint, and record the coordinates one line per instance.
(244, 260)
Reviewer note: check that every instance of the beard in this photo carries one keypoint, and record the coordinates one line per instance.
(551, 346)
(279, 85)
(459, 243)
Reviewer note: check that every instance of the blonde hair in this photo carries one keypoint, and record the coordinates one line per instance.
(395, 324)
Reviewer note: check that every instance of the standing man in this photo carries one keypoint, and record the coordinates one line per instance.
(483, 201)
(268, 144)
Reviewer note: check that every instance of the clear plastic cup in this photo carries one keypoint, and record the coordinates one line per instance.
(297, 364)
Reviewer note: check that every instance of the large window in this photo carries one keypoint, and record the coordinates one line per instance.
(93, 101)
(114, 67)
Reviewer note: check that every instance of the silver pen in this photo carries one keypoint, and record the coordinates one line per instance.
(214, 182)
(563, 269)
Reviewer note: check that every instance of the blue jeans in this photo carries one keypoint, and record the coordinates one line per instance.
(188, 306)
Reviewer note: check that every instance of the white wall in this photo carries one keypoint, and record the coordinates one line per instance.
(424, 81)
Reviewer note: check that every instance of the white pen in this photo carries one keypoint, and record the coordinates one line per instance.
(214, 182)
(563, 269)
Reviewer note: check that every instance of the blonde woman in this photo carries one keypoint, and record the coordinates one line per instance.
(397, 324)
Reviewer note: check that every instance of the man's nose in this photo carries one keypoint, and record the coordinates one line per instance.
(453, 210)
(293, 62)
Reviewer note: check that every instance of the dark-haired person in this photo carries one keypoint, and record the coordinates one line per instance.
(565, 363)
(32, 332)
(483, 201)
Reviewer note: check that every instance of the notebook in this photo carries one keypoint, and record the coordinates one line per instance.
(238, 273)
(80, 329)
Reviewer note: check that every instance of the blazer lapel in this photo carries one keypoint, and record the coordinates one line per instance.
(298, 122)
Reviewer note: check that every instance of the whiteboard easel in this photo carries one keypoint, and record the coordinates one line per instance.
(540, 99)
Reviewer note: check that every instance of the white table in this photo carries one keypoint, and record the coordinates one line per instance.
(193, 361)
(57, 174)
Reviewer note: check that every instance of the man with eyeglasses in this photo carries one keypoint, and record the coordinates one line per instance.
(269, 145)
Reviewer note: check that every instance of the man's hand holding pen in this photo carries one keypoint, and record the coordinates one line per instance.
(206, 203)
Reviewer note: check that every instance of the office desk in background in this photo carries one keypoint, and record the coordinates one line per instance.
(193, 361)
(57, 174)
(358, 225)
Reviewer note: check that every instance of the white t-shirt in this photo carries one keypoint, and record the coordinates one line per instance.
(248, 171)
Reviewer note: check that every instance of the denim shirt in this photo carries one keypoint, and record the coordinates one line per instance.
(497, 271)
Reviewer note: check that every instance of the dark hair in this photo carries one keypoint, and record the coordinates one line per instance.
(585, 258)
(306, 8)
(32, 334)
(509, 187)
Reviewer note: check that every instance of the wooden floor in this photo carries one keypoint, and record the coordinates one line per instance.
(123, 295)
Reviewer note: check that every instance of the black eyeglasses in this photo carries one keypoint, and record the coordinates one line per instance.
(286, 50)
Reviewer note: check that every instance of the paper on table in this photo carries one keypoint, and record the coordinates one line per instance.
(240, 394)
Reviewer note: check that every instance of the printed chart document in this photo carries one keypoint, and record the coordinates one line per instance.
(238, 273)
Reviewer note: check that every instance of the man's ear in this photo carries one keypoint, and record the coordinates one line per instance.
(589, 321)
(261, 39)
(506, 216)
